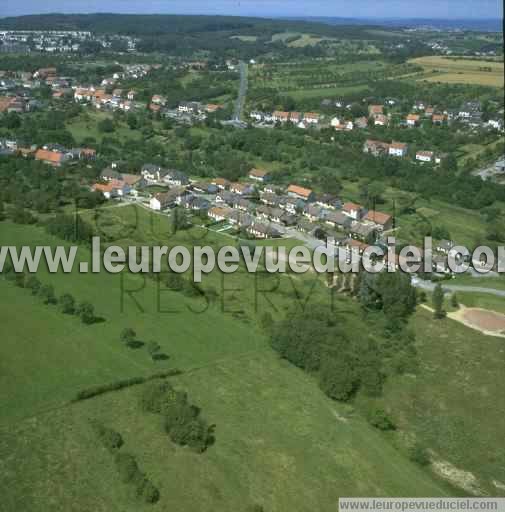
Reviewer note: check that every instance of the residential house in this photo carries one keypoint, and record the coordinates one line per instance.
(226, 197)
(353, 210)
(281, 117)
(311, 118)
(292, 204)
(438, 119)
(260, 230)
(361, 230)
(313, 212)
(241, 203)
(398, 149)
(444, 246)
(269, 198)
(374, 110)
(175, 178)
(54, 158)
(259, 175)
(413, 120)
(219, 213)
(380, 120)
(376, 147)
(195, 203)
(383, 221)
(425, 156)
(221, 183)
(164, 200)
(295, 117)
(242, 189)
(361, 122)
(300, 193)
(152, 173)
(158, 100)
(338, 220)
(328, 201)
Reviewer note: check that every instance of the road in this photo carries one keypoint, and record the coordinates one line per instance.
(242, 92)
(428, 285)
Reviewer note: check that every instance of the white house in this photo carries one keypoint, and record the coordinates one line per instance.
(397, 149)
(424, 156)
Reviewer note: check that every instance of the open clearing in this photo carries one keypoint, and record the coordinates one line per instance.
(466, 71)
(454, 405)
(488, 322)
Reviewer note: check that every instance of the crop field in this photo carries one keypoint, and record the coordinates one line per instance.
(466, 71)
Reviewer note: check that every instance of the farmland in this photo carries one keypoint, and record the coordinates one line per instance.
(464, 71)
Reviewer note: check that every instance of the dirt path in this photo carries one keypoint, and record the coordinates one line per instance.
(489, 323)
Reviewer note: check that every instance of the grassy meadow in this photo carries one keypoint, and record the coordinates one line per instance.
(279, 441)
(465, 71)
(455, 404)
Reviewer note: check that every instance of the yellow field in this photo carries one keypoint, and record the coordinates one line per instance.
(464, 71)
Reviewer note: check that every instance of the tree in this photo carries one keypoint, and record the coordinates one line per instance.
(106, 126)
(337, 377)
(454, 301)
(438, 301)
(127, 335)
(132, 121)
(33, 284)
(153, 349)
(2, 211)
(86, 312)
(67, 304)
(380, 419)
(46, 293)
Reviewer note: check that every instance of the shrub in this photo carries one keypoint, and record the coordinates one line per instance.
(419, 454)
(33, 284)
(150, 493)
(127, 335)
(67, 304)
(46, 293)
(378, 418)
(86, 312)
(154, 396)
(127, 467)
(111, 439)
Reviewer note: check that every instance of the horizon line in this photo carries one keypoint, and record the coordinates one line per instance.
(264, 16)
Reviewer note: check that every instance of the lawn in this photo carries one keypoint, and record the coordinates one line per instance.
(466, 71)
(455, 404)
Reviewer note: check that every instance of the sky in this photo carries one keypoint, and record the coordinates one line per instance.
(445, 9)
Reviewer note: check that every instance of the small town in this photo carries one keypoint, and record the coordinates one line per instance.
(252, 256)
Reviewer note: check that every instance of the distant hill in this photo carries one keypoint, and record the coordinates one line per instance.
(162, 24)
(484, 25)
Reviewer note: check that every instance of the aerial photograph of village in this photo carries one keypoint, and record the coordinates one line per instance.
(252, 256)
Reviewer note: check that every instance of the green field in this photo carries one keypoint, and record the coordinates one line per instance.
(461, 371)
(279, 441)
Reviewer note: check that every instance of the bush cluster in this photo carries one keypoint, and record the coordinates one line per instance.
(182, 420)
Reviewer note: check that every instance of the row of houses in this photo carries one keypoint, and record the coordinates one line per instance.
(300, 119)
